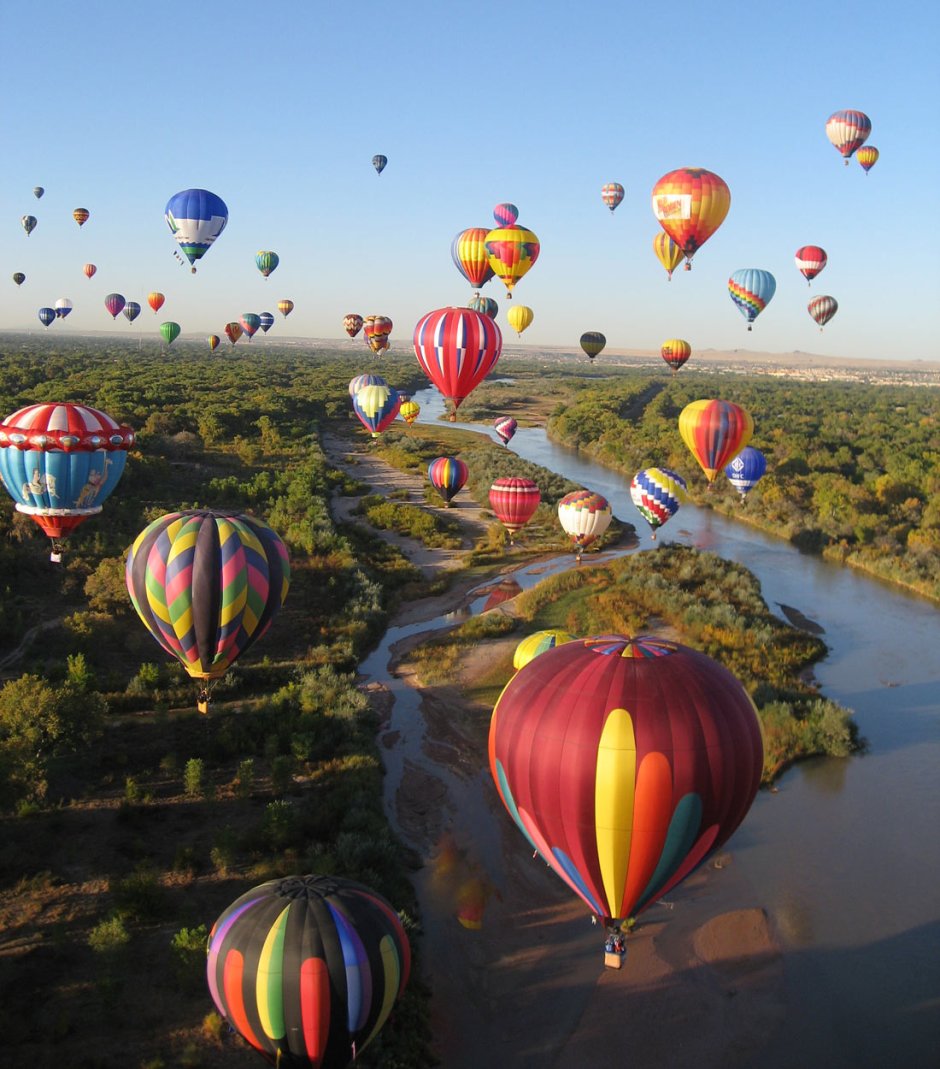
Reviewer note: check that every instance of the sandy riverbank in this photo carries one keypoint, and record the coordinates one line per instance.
(515, 965)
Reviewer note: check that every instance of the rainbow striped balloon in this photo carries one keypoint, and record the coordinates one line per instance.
(751, 289)
(448, 475)
(207, 585)
(307, 968)
(715, 432)
(657, 494)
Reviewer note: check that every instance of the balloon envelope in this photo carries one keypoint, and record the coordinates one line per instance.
(468, 251)
(505, 214)
(514, 502)
(47, 316)
(448, 475)
(89, 270)
(751, 289)
(60, 461)
(356, 384)
(214, 342)
(29, 223)
(376, 407)
(19, 278)
(626, 762)
(307, 968)
(810, 260)
(511, 251)
(38, 192)
(251, 324)
(612, 194)
(593, 342)
(267, 321)
(457, 348)
(715, 432)
(822, 309)
(266, 261)
(505, 427)
(62, 307)
(488, 306)
(114, 302)
(690, 204)
(675, 352)
(207, 585)
(352, 324)
(667, 252)
(867, 156)
(537, 643)
(233, 331)
(156, 301)
(196, 218)
(170, 332)
(81, 216)
(379, 162)
(285, 307)
(376, 331)
(131, 311)
(519, 317)
(584, 517)
(657, 494)
(746, 470)
(848, 131)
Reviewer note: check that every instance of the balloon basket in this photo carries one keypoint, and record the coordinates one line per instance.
(613, 960)
(56, 558)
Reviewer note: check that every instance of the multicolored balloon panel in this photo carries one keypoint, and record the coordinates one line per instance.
(448, 476)
(114, 303)
(715, 432)
(626, 762)
(307, 968)
(207, 585)
(457, 348)
(657, 494)
(409, 411)
(156, 300)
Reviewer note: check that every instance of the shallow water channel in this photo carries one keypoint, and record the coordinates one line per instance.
(845, 857)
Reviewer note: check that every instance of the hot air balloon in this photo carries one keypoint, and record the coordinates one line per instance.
(89, 270)
(715, 432)
(29, 222)
(114, 302)
(746, 470)
(514, 502)
(537, 643)
(612, 194)
(867, 156)
(19, 278)
(448, 475)
(584, 517)
(409, 411)
(356, 384)
(593, 342)
(848, 131)
(156, 301)
(657, 494)
(352, 324)
(266, 261)
(170, 332)
(267, 321)
(488, 306)
(667, 252)
(505, 427)
(468, 252)
(751, 289)
(379, 162)
(626, 763)
(822, 309)
(196, 218)
(307, 969)
(376, 331)
(207, 585)
(81, 216)
(285, 307)
(233, 331)
(376, 407)
(690, 204)
(63, 306)
(131, 311)
(505, 214)
(250, 324)
(38, 192)
(214, 342)
(60, 461)
(512, 251)
(675, 352)
(519, 317)
(810, 260)
(47, 316)
(457, 348)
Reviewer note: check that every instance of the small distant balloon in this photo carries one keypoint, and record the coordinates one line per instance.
(214, 342)
(81, 216)
(267, 321)
(170, 332)
(29, 222)
(251, 323)
(62, 307)
(19, 278)
(751, 289)
(379, 163)
(285, 307)
(867, 156)
(266, 261)
(612, 194)
(233, 331)
(519, 317)
(675, 352)
(409, 411)
(667, 252)
(505, 427)
(155, 300)
(506, 214)
(38, 192)
(131, 311)
(822, 309)
(848, 131)
(47, 316)
(537, 643)
(352, 324)
(810, 260)
(89, 270)
(114, 302)
(593, 342)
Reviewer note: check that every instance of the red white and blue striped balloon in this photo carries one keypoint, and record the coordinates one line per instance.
(457, 348)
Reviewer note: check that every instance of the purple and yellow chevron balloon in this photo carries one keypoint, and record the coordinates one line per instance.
(207, 585)
(657, 494)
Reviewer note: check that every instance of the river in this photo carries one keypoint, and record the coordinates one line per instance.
(846, 855)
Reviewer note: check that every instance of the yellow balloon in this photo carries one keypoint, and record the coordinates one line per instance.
(538, 642)
(519, 317)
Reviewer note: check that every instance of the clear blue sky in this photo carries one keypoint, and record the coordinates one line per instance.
(280, 108)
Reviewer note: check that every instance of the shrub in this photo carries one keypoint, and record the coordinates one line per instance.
(189, 955)
(193, 777)
(109, 937)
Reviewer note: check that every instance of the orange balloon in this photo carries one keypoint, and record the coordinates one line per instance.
(155, 300)
(690, 204)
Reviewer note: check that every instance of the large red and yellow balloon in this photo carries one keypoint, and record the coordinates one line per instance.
(690, 204)
(626, 762)
(715, 432)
